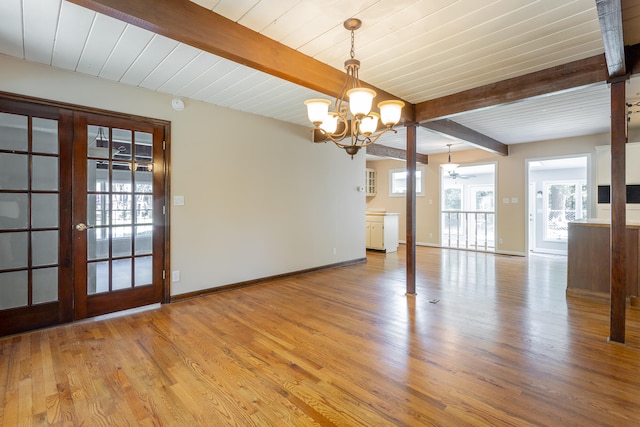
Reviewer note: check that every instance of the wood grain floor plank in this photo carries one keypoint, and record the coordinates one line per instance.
(488, 340)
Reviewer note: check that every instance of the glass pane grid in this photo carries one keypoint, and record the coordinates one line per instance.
(29, 210)
(119, 197)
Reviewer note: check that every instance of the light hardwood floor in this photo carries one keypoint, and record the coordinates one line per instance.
(489, 340)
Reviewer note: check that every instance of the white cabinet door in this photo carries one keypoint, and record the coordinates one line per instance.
(370, 182)
(382, 232)
(368, 236)
(377, 235)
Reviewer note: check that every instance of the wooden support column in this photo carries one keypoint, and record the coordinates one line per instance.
(618, 211)
(411, 210)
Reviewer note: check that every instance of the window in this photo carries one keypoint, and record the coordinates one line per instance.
(482, 197)
(452, 198)
(564, 202)
(398, 182)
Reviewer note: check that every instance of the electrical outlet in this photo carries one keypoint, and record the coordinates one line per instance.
(500, 241)
(175, 276)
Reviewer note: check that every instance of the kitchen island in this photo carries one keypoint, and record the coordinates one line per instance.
(589, 258)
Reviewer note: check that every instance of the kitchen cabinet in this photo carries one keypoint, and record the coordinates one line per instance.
(370, 182)
(382, 231)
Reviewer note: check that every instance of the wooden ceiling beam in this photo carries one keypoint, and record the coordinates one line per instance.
(187, 22)
(562, 77)
(394, 153)
(449, 128)
(610, 17)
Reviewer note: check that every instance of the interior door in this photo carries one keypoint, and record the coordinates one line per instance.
(82, 224)
(118, 214)
(35, 208)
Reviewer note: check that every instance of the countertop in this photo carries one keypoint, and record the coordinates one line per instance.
(603, 222)
(381, 213)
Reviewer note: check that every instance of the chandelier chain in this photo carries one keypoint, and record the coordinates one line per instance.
(353, 49)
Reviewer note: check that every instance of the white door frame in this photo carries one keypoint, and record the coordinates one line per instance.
(531, 198)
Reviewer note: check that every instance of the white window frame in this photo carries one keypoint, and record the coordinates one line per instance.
(419, 182)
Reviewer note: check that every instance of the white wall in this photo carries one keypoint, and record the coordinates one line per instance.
(260, 199)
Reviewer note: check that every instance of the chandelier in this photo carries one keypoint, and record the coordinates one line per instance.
(450, 167)
(356, 124)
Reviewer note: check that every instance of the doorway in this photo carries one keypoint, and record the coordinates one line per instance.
(82, 222)
(468, 218)
(558, 194)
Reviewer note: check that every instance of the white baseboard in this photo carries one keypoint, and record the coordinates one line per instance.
(515, 253)
(549, 252)
(432, 245)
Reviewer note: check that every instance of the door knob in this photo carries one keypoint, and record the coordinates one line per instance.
(83, 227)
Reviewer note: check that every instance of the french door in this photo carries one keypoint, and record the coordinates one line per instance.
(118, 202)
(82, 224)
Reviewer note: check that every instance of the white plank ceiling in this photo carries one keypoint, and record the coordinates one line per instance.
(415, 49)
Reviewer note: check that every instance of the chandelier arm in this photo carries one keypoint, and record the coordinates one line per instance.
(338, 105)
(356, 76)
(333, 137)
(338, 136)
(337, 141)
(374, 137)
(366, 140)
(343, 133)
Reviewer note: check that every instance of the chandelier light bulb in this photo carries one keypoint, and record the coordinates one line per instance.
(317, 110)
(450, 167)
(360, 100)
(390, 112)
(330, 123)
(369, 124)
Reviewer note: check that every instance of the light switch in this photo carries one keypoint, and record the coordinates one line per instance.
(505, 200)
(178, 200)
(514, 200)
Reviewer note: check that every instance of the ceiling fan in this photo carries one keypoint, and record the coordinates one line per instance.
(455, 175)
